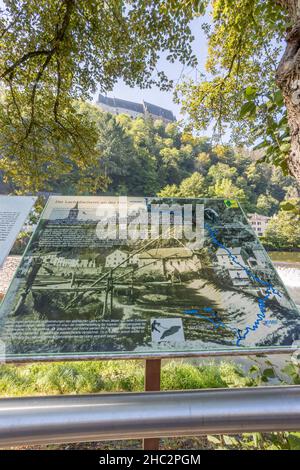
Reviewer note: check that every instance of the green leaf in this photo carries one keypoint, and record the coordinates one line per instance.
(269, 372)
(248, 109)
(213, 439)
(294, 441)
(254, 369)
(230, 441)
(278, 98)
(283, 121)
(250, 92)
(287, 206)
(285, 147)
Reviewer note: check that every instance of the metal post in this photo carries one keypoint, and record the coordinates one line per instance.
(152, 384)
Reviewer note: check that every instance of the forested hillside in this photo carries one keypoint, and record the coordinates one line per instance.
(145, 157)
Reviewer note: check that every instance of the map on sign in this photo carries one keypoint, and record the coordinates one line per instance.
(135, 277)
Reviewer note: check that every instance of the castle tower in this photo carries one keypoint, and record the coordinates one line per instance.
(73, 214)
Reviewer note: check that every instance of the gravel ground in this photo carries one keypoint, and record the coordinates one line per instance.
(7, 271)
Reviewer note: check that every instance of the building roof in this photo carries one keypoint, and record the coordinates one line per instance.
(118, 103)
(158, 111)
(119, 252)
(256, 216)
(233, 251)
(141, 108)
(166, 253)
(70, 256)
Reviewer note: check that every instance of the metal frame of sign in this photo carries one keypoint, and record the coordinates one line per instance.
(146, 356)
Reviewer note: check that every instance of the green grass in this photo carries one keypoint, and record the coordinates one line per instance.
(111, 376)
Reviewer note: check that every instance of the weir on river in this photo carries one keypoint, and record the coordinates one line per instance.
(290, 275)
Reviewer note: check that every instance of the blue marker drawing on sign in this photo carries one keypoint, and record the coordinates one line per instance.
(241, 335)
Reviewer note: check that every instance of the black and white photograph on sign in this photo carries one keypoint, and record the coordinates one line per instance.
(111, 276)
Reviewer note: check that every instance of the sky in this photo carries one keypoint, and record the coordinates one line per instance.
(174, 71)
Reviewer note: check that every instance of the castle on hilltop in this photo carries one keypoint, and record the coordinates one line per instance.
(118, 106)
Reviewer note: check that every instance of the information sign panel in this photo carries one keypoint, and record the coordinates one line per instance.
(145, 277)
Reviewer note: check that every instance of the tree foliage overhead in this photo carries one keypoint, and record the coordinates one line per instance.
(53, 52)
(252, 79)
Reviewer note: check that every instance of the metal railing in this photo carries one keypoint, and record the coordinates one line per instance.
(151, 414)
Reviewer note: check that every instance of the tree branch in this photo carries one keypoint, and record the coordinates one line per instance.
(49, 53)
(24, 58)
(59, 36)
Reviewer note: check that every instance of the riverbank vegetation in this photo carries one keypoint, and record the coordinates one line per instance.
(283, 230)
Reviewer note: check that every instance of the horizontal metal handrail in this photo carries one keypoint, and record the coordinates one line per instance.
(75, 418)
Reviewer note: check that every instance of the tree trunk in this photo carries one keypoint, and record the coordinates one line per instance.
(288, 80)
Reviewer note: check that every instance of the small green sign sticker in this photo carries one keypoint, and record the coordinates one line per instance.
(231, 203)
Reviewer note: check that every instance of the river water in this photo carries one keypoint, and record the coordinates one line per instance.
(288, 268)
